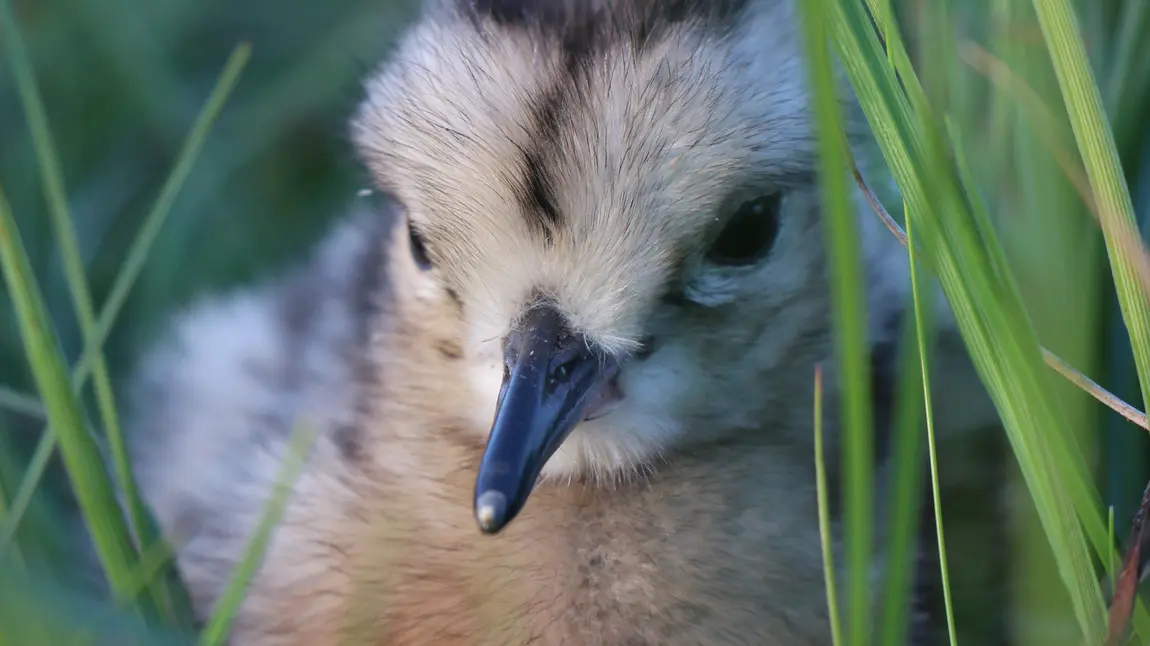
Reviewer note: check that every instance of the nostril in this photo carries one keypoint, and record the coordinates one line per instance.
(566, 362)
(564, 369)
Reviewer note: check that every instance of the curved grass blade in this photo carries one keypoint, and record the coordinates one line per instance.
(985, 302)
(78, 448)
(128, 274)
(69, 248)
(840, 226)
(1083, 100)
(1056, 363)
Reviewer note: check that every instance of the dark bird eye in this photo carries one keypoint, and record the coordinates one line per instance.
(418, 248)
(749, 233)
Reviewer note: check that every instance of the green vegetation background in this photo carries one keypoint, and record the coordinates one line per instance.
(123, 80)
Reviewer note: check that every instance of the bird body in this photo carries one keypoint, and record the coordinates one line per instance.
(602, 232)
(378, 542)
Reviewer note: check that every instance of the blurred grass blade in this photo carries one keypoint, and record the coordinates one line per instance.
(299, 447)
(824, 514)
(189, 152)
(1056, 363)
(840, 226)
(1128, 259)
(1048, 129)
(905, 492)
(12, 552)
(130, 271)
(81, 457)
(10, 522)
(69, 248)
(153, 560)
(40, 611)
(20, 403)
(1123, 69)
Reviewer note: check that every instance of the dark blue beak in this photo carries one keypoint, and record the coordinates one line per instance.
(550, 376)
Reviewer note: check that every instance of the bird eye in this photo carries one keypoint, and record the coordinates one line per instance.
(418, 247)
(749, 234)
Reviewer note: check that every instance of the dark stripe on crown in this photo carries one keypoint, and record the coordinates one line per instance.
(538, 198)
(574, 21)
(583, 29)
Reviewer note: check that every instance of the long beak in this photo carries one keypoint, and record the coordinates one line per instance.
(551, 376)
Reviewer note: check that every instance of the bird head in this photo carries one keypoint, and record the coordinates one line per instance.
(621, 198)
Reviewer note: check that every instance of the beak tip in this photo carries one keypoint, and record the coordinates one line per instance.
(491, 511)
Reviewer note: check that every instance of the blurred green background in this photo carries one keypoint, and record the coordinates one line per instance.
(123, 81)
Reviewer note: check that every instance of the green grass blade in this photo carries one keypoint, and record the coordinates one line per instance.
(130, 271)
(840, 226)
(57, 198)
(1128, 260)
(1085, 499)
(905, 489)
(215, 633)
(906, 462)
(921, 321)
(987, 308)
(153, 560)
(825, 515)
(1065, 455)
(171, 597)
(153, 223)
(78, 448)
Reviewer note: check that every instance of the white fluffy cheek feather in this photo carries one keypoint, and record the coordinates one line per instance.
(485, 372)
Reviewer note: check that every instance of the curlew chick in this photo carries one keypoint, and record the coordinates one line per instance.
(561, 375)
